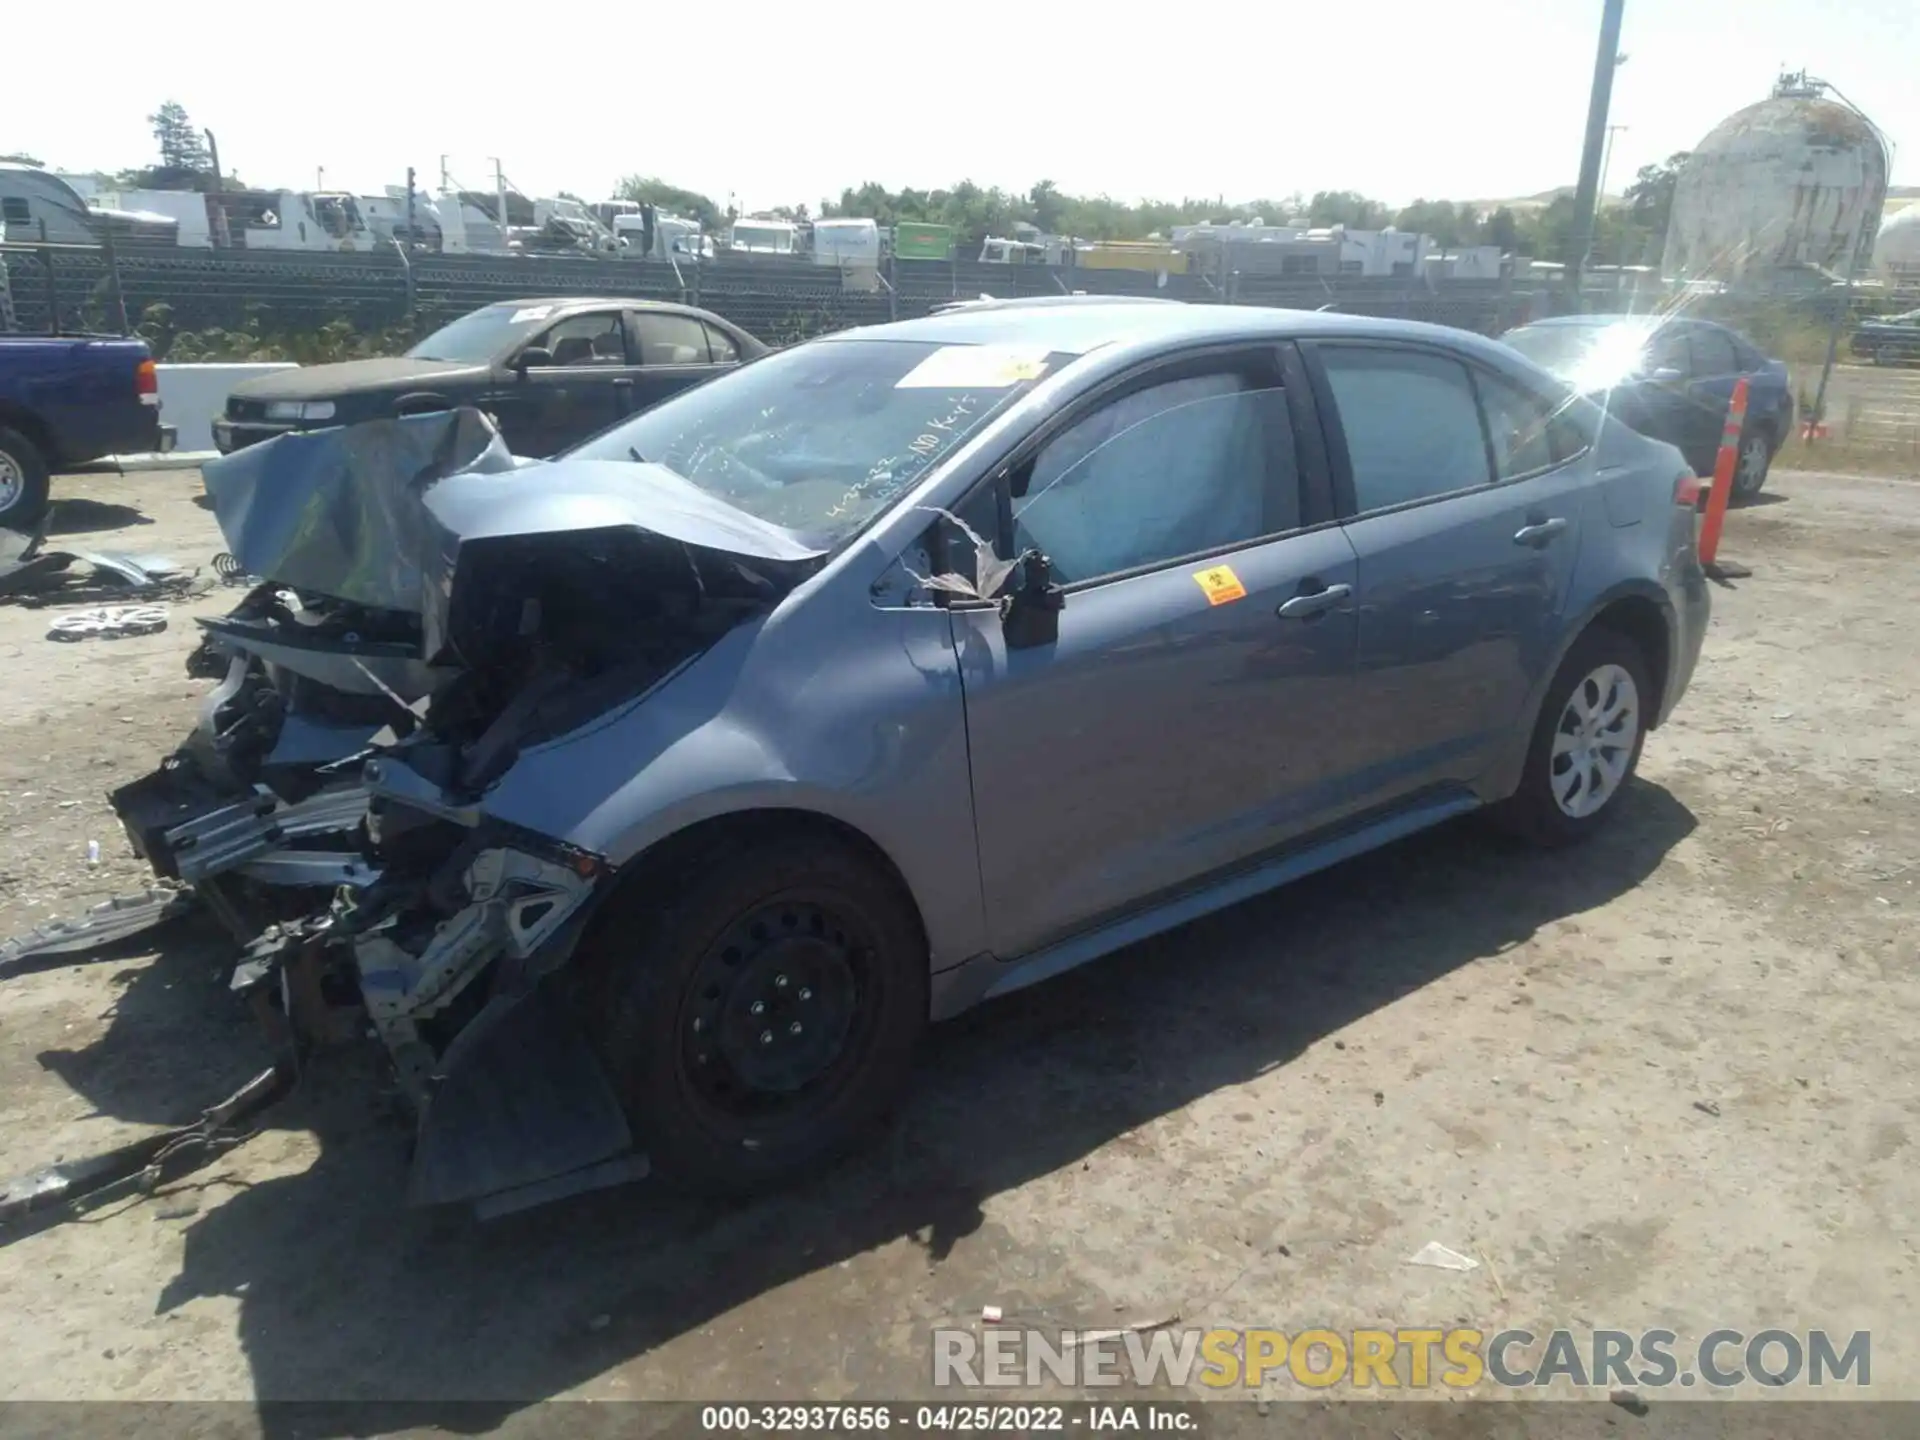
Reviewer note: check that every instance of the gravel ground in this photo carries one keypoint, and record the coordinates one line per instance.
(1662, 1081)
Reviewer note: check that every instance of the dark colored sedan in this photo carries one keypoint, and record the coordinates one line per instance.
(551, 372)
(1889, 340)
(1671, 379)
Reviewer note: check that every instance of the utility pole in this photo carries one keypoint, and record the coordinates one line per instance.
(1604, 63)
(500, 198)
(320, 177)
(411, 233)
(213, 154)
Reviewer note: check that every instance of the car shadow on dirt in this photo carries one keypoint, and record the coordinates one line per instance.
(90, 517)
(343, 1295)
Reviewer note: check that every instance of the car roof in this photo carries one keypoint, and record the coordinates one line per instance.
(1076, 325)
(593, 302)
(1640, 322)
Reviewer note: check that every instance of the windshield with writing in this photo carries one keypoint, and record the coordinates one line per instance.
(821, 438)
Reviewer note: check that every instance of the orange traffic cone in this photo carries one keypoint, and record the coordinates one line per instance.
(1725, 464)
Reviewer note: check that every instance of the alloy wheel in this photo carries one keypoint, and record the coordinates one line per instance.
(1593, 743)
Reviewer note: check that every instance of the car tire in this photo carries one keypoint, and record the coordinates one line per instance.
(24, 481)
(1754, 463)
(724, 1098)
(1604, 675)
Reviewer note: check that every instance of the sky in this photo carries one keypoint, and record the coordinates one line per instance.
(778, 103)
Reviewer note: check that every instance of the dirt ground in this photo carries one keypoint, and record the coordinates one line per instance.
(1253, 1121)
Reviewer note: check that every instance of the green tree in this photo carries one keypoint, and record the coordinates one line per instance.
(1501, 228)
(20, 158)
(1346, 207)
(1650, 203)
(1450, 226)
(650, 190)
(1047, 206)
(182, 147)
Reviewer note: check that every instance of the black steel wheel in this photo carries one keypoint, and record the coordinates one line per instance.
(759, 1004)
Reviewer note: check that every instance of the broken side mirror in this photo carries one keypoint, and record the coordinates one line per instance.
(1032, 615)
(533, 355)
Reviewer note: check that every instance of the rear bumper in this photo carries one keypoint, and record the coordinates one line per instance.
(120, 430)
(1692, 599)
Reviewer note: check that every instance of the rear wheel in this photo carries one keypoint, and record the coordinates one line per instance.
(760, 1007)
(23, 481)
(1586, 743)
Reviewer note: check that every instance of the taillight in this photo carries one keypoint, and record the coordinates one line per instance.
(146, 383)
(1687, 490)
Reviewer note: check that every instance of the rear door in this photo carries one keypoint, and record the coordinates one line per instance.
(1189, 714)
(675, 351)
(1464, 505)
(585, 389)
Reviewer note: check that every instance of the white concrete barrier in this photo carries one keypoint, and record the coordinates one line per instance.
(192, 395)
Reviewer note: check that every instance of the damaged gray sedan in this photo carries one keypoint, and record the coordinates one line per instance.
(649, 801)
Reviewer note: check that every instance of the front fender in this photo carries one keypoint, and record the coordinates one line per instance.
(841, 710)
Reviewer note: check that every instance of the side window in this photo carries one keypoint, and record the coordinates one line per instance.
(587, 340)
(1713, 354)
(14, 210)
(1668, 351)
(1170, 470)
(667, 339)
(1519, 426)
(721, 347)
(1411, 421)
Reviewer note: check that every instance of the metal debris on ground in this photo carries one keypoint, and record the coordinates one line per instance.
(232, 572)
(110, 921)
(1707, 1107)
(143, 1164)
(109, 622)
(34, 576)
(1438, 1257)
(1137, 1327)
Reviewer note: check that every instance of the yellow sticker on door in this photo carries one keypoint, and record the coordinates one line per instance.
(1220, 584)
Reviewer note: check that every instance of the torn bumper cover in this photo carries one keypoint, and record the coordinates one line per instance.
(429, 610)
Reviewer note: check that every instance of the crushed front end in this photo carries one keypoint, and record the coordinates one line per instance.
(332, 804)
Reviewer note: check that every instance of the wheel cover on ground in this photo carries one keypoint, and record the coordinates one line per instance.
(776, 1014)
(1593, 743)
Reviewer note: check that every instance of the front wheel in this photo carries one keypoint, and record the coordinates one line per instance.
(1586, 743)
(760, 1008)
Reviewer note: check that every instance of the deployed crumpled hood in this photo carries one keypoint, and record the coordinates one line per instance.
(602, 495)
(363, 512)
(338, 511)
(350, 377)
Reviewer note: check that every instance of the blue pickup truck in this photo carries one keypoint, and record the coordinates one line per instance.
(66, 400)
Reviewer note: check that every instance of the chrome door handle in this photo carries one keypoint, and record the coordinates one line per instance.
(1539, 534)
(1305, 607)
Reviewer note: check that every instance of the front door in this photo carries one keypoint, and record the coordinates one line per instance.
(1188, 715)
(586, 387)
(1465, 518)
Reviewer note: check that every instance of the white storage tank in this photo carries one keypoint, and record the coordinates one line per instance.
(1791, 182)
(1896, 253)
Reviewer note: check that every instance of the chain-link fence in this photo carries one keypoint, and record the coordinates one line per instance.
(779, 298)
(785, 299)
